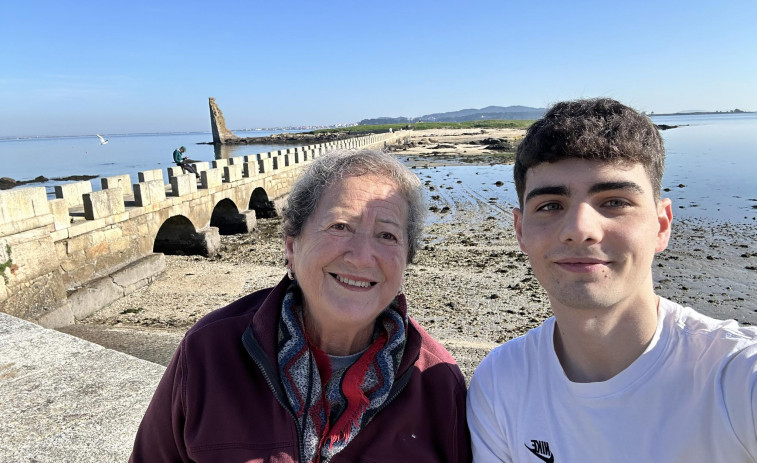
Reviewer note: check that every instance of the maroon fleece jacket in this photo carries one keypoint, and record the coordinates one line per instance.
(220, 399)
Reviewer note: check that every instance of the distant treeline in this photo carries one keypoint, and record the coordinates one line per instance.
(480, 124)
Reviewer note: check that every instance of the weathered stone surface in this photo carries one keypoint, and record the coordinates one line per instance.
(23, 204)
(65, 399)
(103, 203)
(183, 184)
(232, 173)
(149, 175)
(72, 192)
(221, 134)
(123, 181)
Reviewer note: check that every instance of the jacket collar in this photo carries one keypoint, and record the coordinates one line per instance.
(265, 324)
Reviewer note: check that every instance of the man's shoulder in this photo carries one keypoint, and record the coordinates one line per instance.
(691, 323)
(711, 341)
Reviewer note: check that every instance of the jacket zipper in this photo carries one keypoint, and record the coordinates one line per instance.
(259, 357)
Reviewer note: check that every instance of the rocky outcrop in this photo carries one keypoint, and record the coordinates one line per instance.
(221, 135)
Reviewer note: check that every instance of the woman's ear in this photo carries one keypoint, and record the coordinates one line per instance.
(289, 250)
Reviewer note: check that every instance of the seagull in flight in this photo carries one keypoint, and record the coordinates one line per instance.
(102, 140)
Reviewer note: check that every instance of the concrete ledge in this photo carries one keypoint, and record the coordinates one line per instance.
(100, 292)
(65, 399)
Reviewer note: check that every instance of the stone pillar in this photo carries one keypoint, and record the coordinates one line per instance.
(221, 134)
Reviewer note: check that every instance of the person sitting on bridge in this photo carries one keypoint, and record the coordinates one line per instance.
(327, 365)
(181, 161)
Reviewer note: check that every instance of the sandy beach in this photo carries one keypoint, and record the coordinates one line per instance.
(470, 287)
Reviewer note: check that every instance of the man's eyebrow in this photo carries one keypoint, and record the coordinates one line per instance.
(560, 190)
(609, 186)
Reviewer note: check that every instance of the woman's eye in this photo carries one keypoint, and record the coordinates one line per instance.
(388, 236)
(339, 226)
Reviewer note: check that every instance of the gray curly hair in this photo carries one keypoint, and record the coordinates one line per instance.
(335, 165)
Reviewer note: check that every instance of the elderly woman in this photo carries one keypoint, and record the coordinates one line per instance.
(327, 365)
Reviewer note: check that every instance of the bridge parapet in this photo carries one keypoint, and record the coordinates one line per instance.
(64, 258)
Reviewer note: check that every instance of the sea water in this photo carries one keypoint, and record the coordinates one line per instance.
(26, 159)
(710, 173)
(711, 166)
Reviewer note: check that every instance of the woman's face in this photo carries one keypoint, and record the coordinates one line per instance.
(351, 254)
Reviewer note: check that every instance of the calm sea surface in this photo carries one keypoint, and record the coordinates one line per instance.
(123, 154)
(711, 170)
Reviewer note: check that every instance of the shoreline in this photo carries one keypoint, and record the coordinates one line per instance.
(470, 287)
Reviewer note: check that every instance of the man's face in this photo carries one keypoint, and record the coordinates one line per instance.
(591, 230)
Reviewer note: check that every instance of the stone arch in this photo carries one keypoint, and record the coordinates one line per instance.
(178, 236)
(229, 220)
(259, 202)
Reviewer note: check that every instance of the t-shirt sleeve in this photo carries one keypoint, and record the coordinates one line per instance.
(488, 438)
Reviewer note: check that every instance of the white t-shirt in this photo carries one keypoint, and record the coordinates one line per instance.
(690, 397)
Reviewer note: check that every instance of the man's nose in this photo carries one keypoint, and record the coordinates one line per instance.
(581, 223)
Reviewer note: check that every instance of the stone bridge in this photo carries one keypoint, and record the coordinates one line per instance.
(65, 258)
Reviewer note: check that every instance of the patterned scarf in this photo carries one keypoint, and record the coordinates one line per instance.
(331, 407)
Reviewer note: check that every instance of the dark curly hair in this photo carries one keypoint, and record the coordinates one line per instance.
(599, 129)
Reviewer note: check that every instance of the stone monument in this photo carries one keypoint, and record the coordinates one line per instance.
(221, 135)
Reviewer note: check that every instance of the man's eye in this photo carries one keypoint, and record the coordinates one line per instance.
(339, 226)
(616, 203)
(549, 207)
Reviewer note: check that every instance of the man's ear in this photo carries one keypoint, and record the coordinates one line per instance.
(518, 223)
(665, 219)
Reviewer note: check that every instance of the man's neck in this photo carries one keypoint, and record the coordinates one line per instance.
(596, 345)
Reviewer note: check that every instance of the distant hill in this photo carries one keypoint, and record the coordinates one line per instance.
(489, 112)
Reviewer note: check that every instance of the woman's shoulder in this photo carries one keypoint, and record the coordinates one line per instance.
(432, 355)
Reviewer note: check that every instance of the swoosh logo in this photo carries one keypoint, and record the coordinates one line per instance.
(550, 459)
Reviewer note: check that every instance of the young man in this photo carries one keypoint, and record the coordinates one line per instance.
(619, 374)
(181, 161)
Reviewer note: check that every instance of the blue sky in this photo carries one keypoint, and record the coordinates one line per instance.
(84, 67)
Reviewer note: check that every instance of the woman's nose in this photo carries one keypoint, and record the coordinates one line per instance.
(359, 250)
